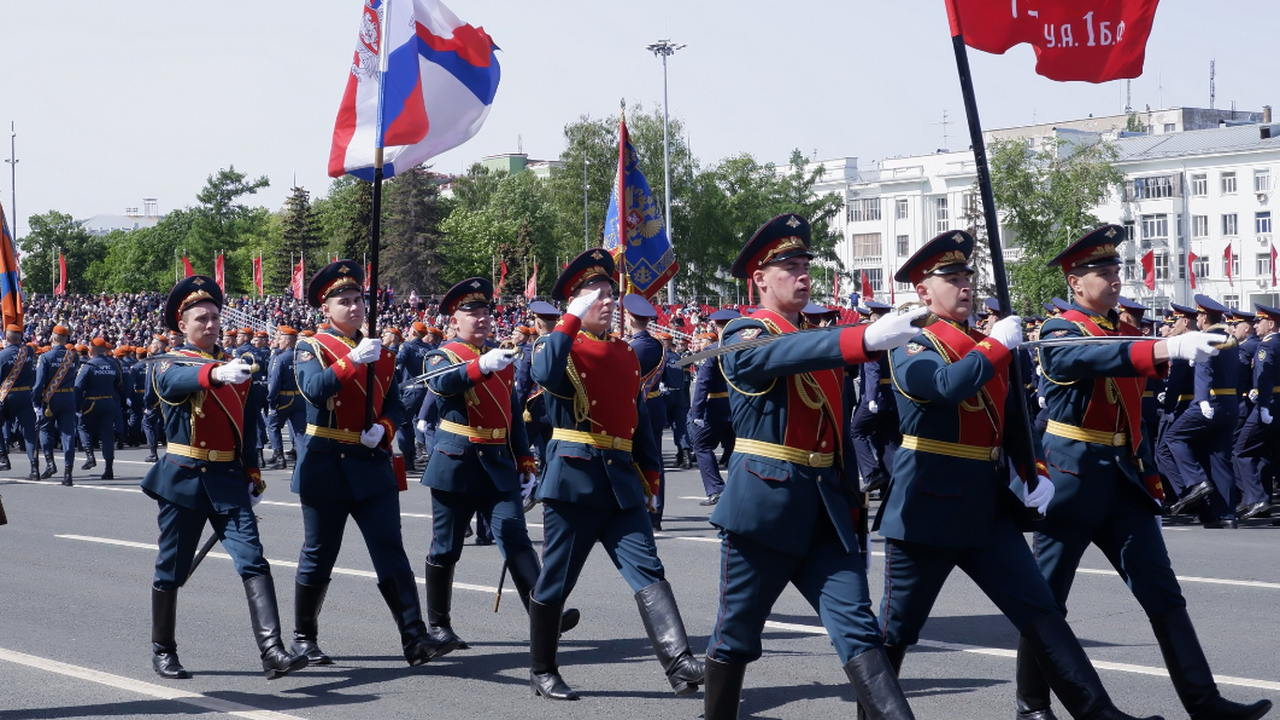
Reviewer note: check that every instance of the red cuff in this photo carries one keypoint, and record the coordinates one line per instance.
(1143, 357)
(473, 371)
(851, 347)
(569, 325)
(206, 375)
(345, 370)
(390, 431)
(996, 352)
(652, 480)
(1154, 488)
(527, 464)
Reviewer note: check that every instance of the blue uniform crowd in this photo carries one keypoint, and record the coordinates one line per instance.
(793, 421)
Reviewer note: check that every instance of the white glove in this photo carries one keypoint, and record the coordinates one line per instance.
(366, 352)
(495, 360)
(893, 330)
(254, 499)
(1008, 332)
(1194, 346)
(581, 304)
(527, 481)
(1043, 403)
(233, 373)
(1160, 397)
(1265, 416)
(662, 387)
(371, 437)
(699, 422)
(422, 426)
(1040, 497)
(873, 406)
(1207, 410)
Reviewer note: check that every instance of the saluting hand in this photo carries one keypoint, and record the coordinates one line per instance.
(579, 306)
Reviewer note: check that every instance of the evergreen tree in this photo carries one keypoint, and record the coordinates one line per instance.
(409, 252)
(299, 237)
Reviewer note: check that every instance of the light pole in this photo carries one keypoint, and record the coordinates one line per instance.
(665, 49)
(586, 208)
(13, 175)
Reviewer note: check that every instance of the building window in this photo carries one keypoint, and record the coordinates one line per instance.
(875, 276)
(1263, 264)
(1199, 226)
(941, 219)
(1200, 267)
(866, 245)
(1130, 269)
(1262, 223)
(1228, 183)
(1182, 266)
(1230, 225)
(864, 209)
(1262, 181)
(1155, 228)
(1170, 127)
(1160, 186)
(900, 209)
(1128, 230)
(1199, 185)
(1232, 300)
(904, 245)
(1162, 266)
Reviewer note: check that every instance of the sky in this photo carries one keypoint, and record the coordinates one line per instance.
(116, 101)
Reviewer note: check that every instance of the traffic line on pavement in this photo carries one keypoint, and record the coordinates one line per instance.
(160, 692)
(1001, 652)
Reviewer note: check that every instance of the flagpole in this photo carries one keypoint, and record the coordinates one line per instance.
(375, 223)
(622, 203)
(1018, 426)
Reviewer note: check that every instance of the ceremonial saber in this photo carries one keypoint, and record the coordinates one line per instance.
(444, 370)
(181, 360)
(497, 597)
(204, 550)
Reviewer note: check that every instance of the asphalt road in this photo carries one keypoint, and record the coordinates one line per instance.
(74, 641)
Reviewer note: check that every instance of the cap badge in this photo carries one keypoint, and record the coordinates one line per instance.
(792, 222)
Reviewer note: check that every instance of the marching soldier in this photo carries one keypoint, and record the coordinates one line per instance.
(874, 428)
(1255, 446)
(18, 370)
(675, 396)
(652, 357)
(481, 459)
(283, 399)
(55, 403)
(709, 410)
(206, 478)
(152, 421)
(1107, 491)
(345, 470)
(789, 514)
(410, 362)
(601, 473)
(1179, 383)
(536, 421)
(1133, 313)
(98, 385)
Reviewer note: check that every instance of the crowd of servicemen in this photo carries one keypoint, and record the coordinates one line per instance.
(569, 409)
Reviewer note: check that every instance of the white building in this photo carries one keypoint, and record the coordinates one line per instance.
(1187, 191)
(131, 219)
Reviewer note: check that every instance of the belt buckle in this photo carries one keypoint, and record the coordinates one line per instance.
(213, 456)
(616, 443)
(1117, 440)
(814, 459)
(995, 454)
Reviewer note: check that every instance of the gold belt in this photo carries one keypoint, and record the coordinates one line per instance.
(200, 453)
(1224, 391)
(950, 449)
(23, 388)
(600, 440)
(1148, 393)
(69, 389)
(1184, 398)
(98, 397)
(885, 381)
(350, 437)
(472, 432)
(1097, 437)
(784, 453)
(287, 392)
(653, 395)
(718, 396)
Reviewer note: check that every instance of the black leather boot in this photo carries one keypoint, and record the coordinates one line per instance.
(406, 608)
(35, 469)
(265, 617)
(153, 457)
(277, 462)
(723, 693)
(66, 476)
(89, 460)
(164, 649)
(895, 654)
(307, 601)
(1033, 697)
(1190, 672)
(439, 580)
(4, 460)
(1069, 671)
(524, 575)
(50, 467)
(107, 472)
(666, 633)
(873, 678)
(544, 639)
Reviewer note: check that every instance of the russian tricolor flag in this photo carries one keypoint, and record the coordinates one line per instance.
(440, 80)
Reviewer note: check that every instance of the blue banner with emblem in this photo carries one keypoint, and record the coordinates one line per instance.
(649, 262)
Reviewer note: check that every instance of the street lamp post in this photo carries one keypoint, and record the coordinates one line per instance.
(586, 207)
(13, 175)
(665, 49)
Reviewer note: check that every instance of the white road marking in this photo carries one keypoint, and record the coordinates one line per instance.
(161, 692)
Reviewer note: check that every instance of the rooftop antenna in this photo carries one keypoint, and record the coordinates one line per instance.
(1213, 94)
(1128, 97)
(1160, 89)
(945, 122)
(519, 143)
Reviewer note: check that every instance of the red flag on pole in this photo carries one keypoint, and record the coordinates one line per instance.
(531, 287)
(257, 275)
(835, 290)
(299, 284)
(1273, 264)
(368, 272)
(502, 279)
(751, 295)
(62, 275)
(1089, 40)
(1149, 270)
(187, 270)
(1191, 268)
(220, 272)
(867, 292)
(1229, 260)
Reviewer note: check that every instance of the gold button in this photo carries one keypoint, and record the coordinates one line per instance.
(824, 443)
(480, 453)
(593, 402)
(617, 443)
(204, 469)
(995, 454)
(1118, 440)
(343, 455)
(202, 443)
(337, 402)
(814, 458)
(608, 462)
(583, 375)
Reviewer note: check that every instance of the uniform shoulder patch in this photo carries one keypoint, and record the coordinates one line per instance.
(749, 333)
(915, 348)
(436, 360)
(1059, 333)
(305, 356)
(1262, 354)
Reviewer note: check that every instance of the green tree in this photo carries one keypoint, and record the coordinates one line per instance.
(410, 255)
(143, 260)
(55, 232)
(1046, 198)
(222, 223)
(344, 217)
(298, 235)
(974, 220)
(502, 218)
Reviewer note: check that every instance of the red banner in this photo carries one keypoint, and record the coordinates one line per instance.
(1089, 40)
(220, 272)
(835, 291)
(867, 292)
(1191, 268)
(531, 287)
(751, 295)
(257, 275)
(187, 270)
(501, 280)
(62, 275)
(1149, 270)
(299, 284)
(1228, 259)
(1273, 264)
